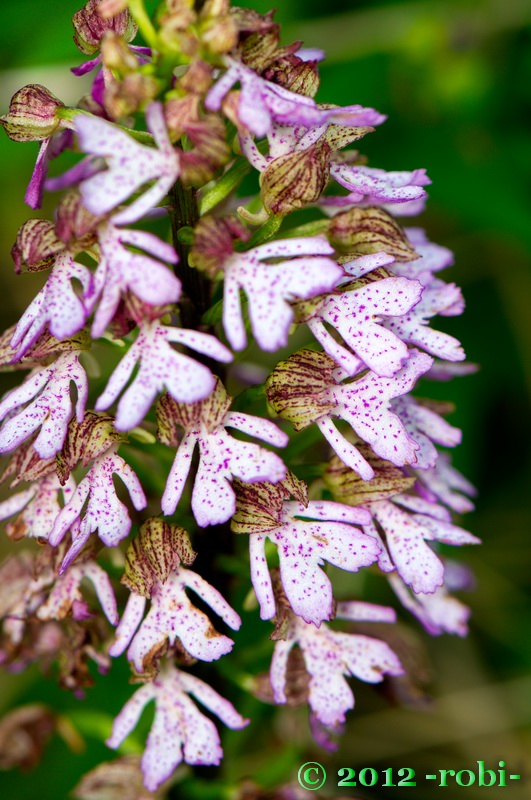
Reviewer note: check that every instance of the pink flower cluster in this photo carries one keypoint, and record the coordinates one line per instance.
(366, 289)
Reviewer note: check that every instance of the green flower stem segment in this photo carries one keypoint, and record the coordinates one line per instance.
(145, 26)
(225, 186)
(70, 114)
(265, 232)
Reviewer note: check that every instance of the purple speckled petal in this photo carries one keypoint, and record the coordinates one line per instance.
(173, 615)
(442, 531)
(370, 185)
(256, 426)
(368, 659)
(270, 288)
(212, 597)
(51, 407)
(262, 104)
(355, 314)
(357, 611)
(67, 591)
(57, 306)
(385, 561)
(104, 511)
(179, 729)
(130, 165)
(437, 298)
(69, 514)
(363, 264)
(160, 367)
(330, 657)
(17, 502)
(347, 452)
(178, 474)
(131, 619)
(345, 359)
(221, 456)
(328, 510)
(128, 717)
(365, 405)
(296, 247)
(203, 343)
(415, 561)
(121, 270)
(425, 427)
(438, 612)
(215, 703)
(260, 576)
(303, 546)
(277, 673)
(441, 482)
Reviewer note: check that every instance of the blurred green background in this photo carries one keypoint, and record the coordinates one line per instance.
(455, 79)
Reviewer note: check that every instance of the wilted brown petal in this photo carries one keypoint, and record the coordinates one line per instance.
(24, 734)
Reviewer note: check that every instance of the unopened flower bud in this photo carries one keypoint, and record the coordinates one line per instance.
(214, 243)
(260, 48)
(90, 27)
(294, 74)
(111, 8)
(346, 486)
(75, 226)
(296, 179)
(297, 389)
(361, 231)
(86, 441)
(175, 15)
(219, 32)
(124, 97)
(32, 114)
(116, 55)
(159, 548)
(36, 247)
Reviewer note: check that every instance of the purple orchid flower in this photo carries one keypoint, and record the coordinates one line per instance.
(439, 612)
(180, 732)
(57, 306)
(47, 393)
(38, 505)
(305, 537)
(271, 287)
(331, 656)
(406, 534)
(173, 615)
(221, 457)
(262, 103)
(161, 367)
(66, 593)
(130, 166)
(121, 270)
(104, 512)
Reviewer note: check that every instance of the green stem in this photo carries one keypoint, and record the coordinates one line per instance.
(184, 214)
(315, 228)
(145, 26)
(69, 114)
(226, 184)
(265, 232)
